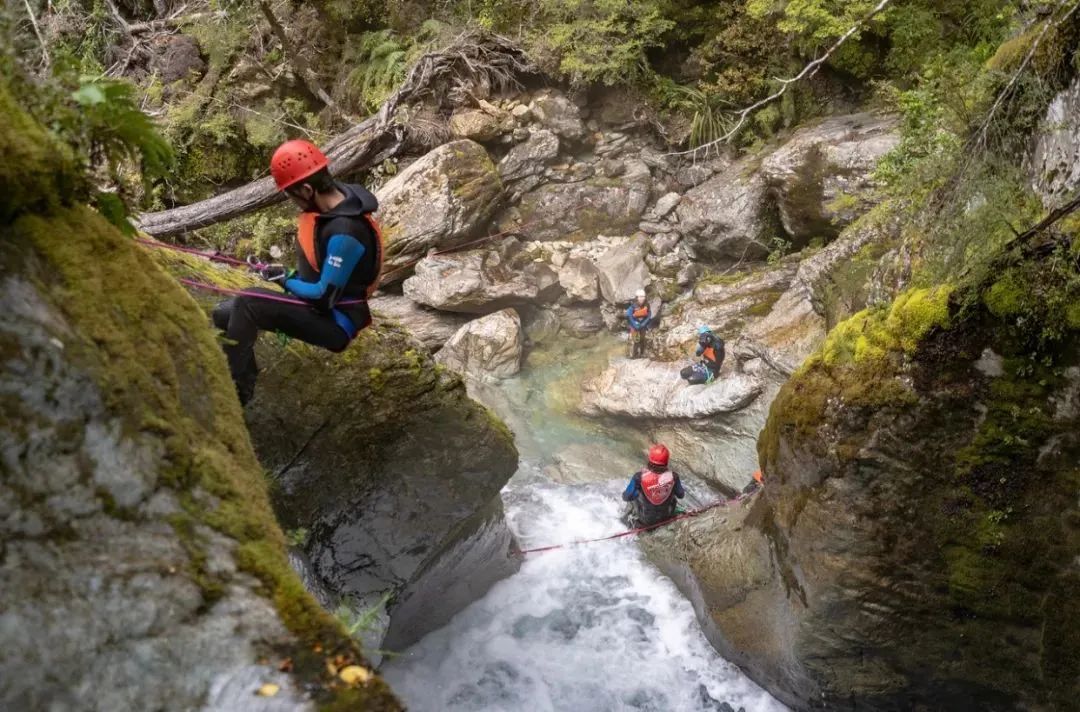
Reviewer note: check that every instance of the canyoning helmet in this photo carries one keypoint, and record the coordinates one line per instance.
(702, 330)
(640, 294)
(659, 455)
(296, 160)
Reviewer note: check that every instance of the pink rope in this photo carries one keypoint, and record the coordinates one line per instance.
(257, 295)
(213, 256)
(637, 530)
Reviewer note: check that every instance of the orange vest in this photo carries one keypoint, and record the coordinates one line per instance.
(641, 312)
(305, 235)
(709, 354)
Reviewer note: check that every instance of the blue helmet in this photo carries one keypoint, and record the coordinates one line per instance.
(701, 330)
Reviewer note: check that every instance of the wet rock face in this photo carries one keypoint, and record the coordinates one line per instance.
(140, 560)
(920, 509)
(821, 178)
(488, 347)
(1054, 162)
(385, 460)
(438, 201)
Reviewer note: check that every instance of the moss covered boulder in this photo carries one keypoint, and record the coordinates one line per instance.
(920, 510)
(140, 563)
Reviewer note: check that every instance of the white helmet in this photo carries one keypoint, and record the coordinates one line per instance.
(640, 294)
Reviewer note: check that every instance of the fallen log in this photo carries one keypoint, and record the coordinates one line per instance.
(371, 141)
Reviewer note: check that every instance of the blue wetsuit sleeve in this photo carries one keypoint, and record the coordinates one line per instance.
(631, 490)
(679, 491)
(343, 253)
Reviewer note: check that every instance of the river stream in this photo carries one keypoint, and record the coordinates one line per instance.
(593, 627)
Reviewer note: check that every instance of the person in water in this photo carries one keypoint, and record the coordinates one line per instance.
(653, 491)
(710, 351)
(339, 258)
(639, 315)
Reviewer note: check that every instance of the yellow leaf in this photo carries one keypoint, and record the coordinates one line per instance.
(268, 690)
(354, 675)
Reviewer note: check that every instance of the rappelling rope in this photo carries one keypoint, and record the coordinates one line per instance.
(235, 262)
(637, 530)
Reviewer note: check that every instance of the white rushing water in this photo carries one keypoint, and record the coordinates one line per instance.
(593, 627)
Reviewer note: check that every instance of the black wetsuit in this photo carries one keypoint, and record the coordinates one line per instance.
(348, 251)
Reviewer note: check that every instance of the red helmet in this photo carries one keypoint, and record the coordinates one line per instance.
(296, 160)
(659, 455)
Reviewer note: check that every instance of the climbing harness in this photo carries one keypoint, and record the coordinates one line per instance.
(637, 530)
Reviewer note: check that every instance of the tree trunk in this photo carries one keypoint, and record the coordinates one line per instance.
(371, 141)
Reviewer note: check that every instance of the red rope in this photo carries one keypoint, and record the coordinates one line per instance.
(637, 530)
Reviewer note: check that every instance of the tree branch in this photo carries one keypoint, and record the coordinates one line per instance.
(980, 142)
(37, 32)
(306, 74)
(808, 71)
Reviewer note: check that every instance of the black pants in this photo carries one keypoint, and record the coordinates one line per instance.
(637, 343)
(242, 318)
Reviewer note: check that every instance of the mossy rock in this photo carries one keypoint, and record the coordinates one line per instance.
(921, 478)
(138, 398)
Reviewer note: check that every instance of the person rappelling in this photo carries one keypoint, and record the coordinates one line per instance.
(639, 316)
(710, 351)
(339, 259)
(653, 492)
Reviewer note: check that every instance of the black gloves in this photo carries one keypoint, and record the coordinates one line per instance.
(276, 274)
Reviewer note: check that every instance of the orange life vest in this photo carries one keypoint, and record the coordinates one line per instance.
(709, 354)
(305, 235)
(641, 312)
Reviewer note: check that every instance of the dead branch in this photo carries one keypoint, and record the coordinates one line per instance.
(307, 75)
(168, 23)
(808, 71)
(37, 32)
(371, 141)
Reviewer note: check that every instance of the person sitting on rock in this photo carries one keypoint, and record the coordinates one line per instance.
(339, 259)
(710, 349)
(639, 314)
(653, 491)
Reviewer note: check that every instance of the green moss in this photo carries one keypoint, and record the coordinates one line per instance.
(873, 334)
(36, 173)
(1005, 297)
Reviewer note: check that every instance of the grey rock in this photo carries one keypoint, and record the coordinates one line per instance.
(724, 217)
(541, 326)
(663, 243)
(556, 112)
(488, 347)
(655, 228)
(440, 200)
(692, 175)
(1054, 161)
(580, 320)
(650, 389)
(585, 209)
(622, 271)
(579, 277)
(821, 177)
(482, 125)
(531, 157)
(478, 282)
(665, 205)
(431, 327)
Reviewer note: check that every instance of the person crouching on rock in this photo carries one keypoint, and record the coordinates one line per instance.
(639, 314)
(710, 349)
(653, 492)
(339, 258)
